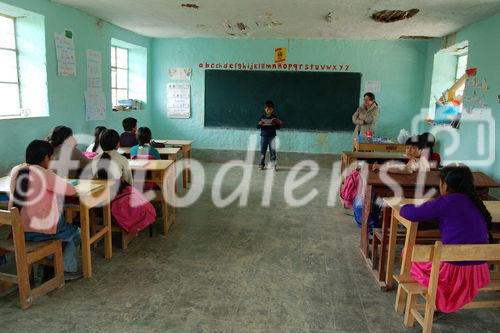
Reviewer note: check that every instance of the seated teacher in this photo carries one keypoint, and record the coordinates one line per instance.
(366, 115)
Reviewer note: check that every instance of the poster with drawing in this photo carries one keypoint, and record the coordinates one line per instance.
(178, 100)
(65, 54)
(183, 74)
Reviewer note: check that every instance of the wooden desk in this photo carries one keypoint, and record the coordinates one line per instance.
(375, 187)
(91, 194)
(375, 146)
(411, 235)
(165, 153)
(185, 145)
(160, 172)
(349, 157)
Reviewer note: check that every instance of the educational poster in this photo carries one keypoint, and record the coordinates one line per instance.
(65, 53)
(280, 55)
(178, 100)
(94, 70)
(95, 105)
(372, 86)
(183, 74)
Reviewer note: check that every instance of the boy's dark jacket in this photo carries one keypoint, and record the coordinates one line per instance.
(269, 131)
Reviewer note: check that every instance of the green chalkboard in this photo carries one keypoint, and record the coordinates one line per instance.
(316, 101)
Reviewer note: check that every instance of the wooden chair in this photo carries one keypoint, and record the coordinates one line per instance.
(26, 254)
(436, 254)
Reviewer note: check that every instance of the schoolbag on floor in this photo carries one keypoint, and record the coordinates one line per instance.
(373, 218)
(350, 187)
(132, 211)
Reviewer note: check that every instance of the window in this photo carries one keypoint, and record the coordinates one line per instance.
(119, 74)
(461, 65)
(9, 74)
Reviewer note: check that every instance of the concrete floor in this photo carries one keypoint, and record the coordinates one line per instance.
(252, 269)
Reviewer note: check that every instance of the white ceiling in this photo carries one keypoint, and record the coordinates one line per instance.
(286, 18)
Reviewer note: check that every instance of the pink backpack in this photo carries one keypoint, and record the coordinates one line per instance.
(90, 154)
(132, 211)
(350, 187)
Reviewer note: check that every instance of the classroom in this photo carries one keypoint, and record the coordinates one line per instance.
(249, 166)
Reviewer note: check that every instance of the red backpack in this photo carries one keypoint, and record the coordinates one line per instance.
(350, 188)
(132, 211)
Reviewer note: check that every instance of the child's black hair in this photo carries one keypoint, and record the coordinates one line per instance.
(414, 141)
(143, 135)
(129, 124)
(109, 141)
(97, 133)
(58, 135)
(459, 179)
(36, 152)
(428, 140)
(269, 104)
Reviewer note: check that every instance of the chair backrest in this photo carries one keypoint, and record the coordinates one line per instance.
(10, 217)
(438, 252)
(469, 252)
(13, 218)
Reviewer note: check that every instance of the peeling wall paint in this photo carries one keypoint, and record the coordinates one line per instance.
(483, 45)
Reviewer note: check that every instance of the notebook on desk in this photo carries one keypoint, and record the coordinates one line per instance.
(138, 163)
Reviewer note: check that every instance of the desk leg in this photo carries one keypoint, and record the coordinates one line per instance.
(164, 205)
(85, 235)
(367, 207)
(108, 240)
(164, 213)
(172, 173)
(189, 164)
(174, 159)
(391, 251)
(383, 242)
(411, 235)
(185, 165)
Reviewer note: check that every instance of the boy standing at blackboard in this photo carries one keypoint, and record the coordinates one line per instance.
(268, 124)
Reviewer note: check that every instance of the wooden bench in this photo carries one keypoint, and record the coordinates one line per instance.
(26, 254)
(436, 254)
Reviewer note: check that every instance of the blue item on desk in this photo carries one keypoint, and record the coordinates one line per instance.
(74, 182)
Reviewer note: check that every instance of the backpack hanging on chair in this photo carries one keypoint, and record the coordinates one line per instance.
(132, 211)
(350, 188)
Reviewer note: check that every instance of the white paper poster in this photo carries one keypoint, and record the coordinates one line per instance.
(372, 86)
(95, 105)
(94, 70)
(65, 53)
(180, 73)
(179, 100)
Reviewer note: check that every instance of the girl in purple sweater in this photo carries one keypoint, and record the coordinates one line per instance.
(463, 219)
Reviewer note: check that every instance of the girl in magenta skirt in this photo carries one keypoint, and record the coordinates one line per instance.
(463, 219)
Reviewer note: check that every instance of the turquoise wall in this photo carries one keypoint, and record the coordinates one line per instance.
(484, 48)
(403, 67)
(399, 65)
(66, 94)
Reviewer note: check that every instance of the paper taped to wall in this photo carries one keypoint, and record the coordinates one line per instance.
(65, 53)
(178, 100)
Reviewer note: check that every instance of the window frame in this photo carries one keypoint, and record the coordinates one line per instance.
(15, 50)
(116, 68)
